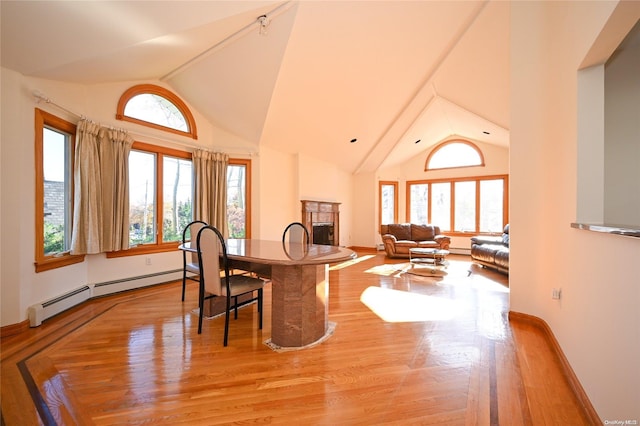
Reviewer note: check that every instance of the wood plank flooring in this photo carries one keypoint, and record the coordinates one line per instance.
(406, 349)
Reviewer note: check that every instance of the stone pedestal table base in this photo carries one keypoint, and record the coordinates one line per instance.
(299, 305)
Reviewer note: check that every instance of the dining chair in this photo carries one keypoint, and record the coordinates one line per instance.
(190, 259)
(216, 281)
(296, 232)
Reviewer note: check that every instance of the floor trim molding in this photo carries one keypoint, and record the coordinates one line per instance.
(13, 329)
(570, 375)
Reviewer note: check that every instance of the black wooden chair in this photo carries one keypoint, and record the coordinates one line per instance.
(216, 281)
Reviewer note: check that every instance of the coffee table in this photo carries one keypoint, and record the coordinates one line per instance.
(428, 255)
(435, 258)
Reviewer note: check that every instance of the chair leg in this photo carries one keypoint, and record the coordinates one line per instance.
(184, 282)
(226, 321)
(260, 308)
(201, 313)
(235, 308)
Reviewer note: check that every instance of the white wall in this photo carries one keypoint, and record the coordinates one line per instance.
(286, 179)
(278, 204)
(364, 226)
(323, 181)
(596, 322)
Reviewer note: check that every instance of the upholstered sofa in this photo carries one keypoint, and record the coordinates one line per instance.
(492, 252)
(398, 238)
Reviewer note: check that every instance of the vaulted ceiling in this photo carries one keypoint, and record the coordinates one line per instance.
(310, 78)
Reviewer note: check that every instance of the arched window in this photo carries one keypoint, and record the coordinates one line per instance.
(454, 153)
(156, 107)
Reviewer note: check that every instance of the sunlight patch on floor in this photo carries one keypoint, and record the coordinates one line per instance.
(402, 306)
(350, 262)
(387, 269)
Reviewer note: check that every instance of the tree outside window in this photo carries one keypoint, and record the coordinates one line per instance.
(238, 200)
(158, 212)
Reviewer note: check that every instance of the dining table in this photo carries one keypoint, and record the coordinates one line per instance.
(299, 275)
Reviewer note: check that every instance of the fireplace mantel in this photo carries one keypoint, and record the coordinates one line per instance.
(325, 217)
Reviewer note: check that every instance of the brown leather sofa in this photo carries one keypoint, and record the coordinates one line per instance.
(398, 238)
(492, 252)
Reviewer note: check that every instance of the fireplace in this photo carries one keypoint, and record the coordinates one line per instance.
(323, 234)
(322, 219)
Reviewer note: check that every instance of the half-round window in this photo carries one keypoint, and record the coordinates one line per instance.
(156, 107)
(455, 153)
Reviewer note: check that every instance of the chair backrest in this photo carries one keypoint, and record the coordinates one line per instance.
(190, 233)
(296, 232)
(211, 251)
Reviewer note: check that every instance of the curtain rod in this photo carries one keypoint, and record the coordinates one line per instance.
(41, 97)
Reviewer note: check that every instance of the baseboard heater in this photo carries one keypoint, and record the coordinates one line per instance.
(47, 309)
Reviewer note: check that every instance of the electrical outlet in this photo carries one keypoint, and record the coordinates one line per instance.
(556, 293)
(147, 261)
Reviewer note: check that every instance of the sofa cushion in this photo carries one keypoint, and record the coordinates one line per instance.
(428, 244)
(423, 232)
(403, 246)
(402, 231)
(502, 258)
(406, 243)
(486, 239)
(486, 252)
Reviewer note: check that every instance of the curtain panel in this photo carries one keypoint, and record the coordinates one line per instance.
(101, 189)
(210, 199)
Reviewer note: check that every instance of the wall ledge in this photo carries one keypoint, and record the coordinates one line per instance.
(626, 231)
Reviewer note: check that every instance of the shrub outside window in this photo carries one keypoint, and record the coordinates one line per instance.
(239, 198)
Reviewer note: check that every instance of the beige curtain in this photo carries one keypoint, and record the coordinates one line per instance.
(210, 199)
(101, 189)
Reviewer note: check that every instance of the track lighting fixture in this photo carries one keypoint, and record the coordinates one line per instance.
(263, 22)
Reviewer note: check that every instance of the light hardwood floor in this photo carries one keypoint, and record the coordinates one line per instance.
(406, 349)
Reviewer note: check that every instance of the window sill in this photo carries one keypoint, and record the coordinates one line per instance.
(138, 250)
(469, 234)
(627, 231)
(57, 262)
